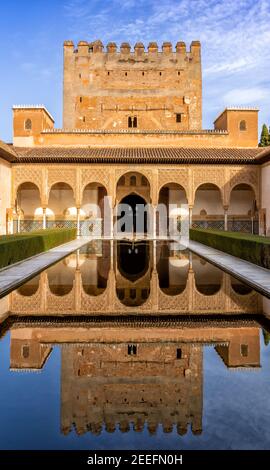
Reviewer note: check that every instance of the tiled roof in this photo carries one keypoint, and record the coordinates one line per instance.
(136, 155)
(7, 152)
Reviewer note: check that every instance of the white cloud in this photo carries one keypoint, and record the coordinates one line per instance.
(246, 96)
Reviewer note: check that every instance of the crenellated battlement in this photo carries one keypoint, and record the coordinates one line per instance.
(139, 49)
(132, 86)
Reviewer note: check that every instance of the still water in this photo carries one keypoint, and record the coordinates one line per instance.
(134, 346)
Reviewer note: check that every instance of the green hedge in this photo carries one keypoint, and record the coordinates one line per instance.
(252, 248)
(14, 248)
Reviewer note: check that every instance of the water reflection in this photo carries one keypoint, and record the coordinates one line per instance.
(135, 323)
(130, 378)
(141, 277)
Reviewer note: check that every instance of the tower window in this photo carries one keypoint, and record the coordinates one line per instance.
(132, 350)
(80, 99)
(108, 73)
(80, 75)
(243, 126)
(178, 117)
(132, 121)
(143, 73)
(28, 125)
(160, 73)
(178, 73)
(178, 353)
(244, 350)
(126, 74)
(83, 118)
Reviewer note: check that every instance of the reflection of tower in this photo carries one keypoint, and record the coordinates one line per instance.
(132, 385)
(243, 350)
(27, 353)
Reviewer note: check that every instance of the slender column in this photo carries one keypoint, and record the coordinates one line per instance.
(44, 219)
(155, 254)
(19, 222)
(154, 222)
(225, 218)
(78, 221)
(252, 224)
(190, 216)
(112, 253)
(112, 221)
(190, 259)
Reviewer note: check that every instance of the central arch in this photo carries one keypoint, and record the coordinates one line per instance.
(133, 214)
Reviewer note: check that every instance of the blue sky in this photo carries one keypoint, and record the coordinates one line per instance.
(235, 37)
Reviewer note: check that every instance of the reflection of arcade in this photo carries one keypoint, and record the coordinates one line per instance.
(139, 277)
(133, 272)
(130, 377)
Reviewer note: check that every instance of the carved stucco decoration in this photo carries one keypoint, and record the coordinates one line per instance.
(26, 174)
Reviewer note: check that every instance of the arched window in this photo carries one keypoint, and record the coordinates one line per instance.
(28, 125)
(203, 213)
(132, 121)
(144, 181)
(243, 126)
(133, 181)
(121, 182)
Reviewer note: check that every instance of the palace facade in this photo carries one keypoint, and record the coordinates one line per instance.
(132, 131)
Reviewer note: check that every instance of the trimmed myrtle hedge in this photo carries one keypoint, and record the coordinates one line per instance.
(252, 248)
(14, 248)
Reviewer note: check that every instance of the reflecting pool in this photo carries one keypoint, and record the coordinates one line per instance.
(134, 346)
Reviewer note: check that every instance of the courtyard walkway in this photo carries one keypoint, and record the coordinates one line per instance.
(249, 273)
(13, 276)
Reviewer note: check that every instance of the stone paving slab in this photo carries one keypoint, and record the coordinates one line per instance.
(256, 277)
(14, 276)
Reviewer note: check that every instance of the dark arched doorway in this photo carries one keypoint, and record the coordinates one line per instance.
(132, 215)
(133, 259)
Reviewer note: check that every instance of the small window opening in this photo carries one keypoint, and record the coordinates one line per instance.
(178, 117)
(80, 99)
(25, 352)
(132, 294)
(133, 181)
(132, 350)
(28, 125)
(243, 126)
(244, 350)
(178, 353)
(132, 121)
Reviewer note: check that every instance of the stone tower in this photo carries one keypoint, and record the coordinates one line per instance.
(139, 89)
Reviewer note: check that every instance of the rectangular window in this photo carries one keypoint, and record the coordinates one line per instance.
(25, 352)
(178, 353)
(178, 117)
(244, 350)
